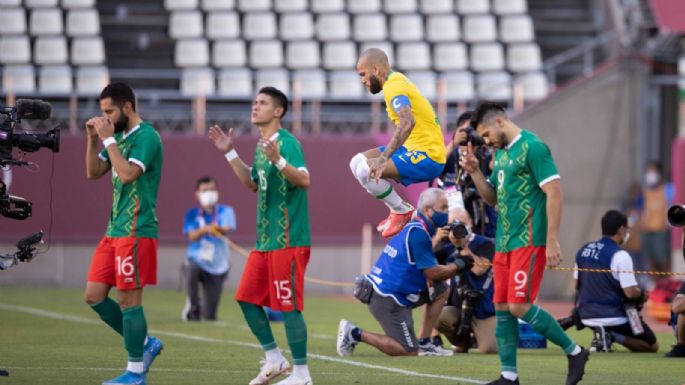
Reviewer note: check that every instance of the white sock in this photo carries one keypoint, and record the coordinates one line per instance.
(576, 350)
(135, 367)
(301, 371)
(381, 189)
(274, 355)
(511, 376)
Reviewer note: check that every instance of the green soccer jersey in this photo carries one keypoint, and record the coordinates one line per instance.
(134, 204)
(282, 210)
(520, 171)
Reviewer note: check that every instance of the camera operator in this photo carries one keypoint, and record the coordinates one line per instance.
(469, 310)
(461, 191)
(610, 302)
(401, 280)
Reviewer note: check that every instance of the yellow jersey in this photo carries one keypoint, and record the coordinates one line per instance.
(426, 135)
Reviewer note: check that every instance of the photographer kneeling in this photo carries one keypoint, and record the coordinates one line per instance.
(401, 280)
(469, 310)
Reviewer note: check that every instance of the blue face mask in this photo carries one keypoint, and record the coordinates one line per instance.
(439, 218)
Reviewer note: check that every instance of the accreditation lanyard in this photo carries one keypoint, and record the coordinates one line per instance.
(201, 216)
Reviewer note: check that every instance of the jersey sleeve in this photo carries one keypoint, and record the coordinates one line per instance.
(541, 163)
(421, 249)
(623, 263)
(227, 218)
(145, 149)
(189, 223)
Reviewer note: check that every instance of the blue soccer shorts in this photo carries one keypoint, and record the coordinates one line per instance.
(414, 166)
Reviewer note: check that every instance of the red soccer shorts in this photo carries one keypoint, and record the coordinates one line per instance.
(275, 278)
(126, 262)
(518, 274)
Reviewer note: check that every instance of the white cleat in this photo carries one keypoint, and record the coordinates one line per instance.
(345, 344)
(270, 370)
(293, 380)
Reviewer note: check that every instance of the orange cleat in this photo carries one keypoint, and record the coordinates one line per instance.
(394, 223)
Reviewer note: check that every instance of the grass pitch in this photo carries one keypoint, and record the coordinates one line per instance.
(49, 336)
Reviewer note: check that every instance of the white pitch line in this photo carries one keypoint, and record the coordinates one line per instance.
(66, 317)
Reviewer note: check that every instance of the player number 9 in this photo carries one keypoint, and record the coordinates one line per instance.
(520, 278)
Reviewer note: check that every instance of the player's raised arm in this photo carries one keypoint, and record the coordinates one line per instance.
(95, 167)
(399, 136)
(470, 163)
(224, 143)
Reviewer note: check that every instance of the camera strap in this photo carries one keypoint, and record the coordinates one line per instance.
(488, 281)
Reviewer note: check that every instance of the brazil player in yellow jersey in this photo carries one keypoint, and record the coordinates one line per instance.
(416, 152)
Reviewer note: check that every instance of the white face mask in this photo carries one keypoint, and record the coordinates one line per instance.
(208, 198)
(652, 178)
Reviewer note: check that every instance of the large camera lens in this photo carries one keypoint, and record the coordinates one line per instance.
(459, 231)
(676, 215)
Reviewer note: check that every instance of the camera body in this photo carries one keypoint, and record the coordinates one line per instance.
(28, 142)
(472, 137)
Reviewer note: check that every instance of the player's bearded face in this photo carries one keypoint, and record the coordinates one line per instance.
(374, 84)
(122, 122)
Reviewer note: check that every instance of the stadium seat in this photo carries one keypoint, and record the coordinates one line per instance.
(345, 85)
(10, 3)
(370, 27)
(385, 46)
(266, 54)
(18, 79)
(534, 84)
(218, 5)
(524, 57)
(413, 56)
(12, 21)
(450, 57)
(185, 24)
(83, 22)
(68, 4)
(425, 81)
(235, 83)
(296, 26)
(333, 26)
(180, 5)
(311, 84)
(302, 54)
(274, 78)
(91, 80)
(55, 80)
(50, 50)
(191, 53)
(443, 28)
(494, 86)
(290, 5)
(363, 6)
(399, 6)
(254, 5)
(259, 26)
(458, 86)
(406, 28)
(223, 25)
(229, 53)
(509, 7)
(466, 7)
(516, 29)
(87, 51)
(197, 82)
(46, 21)
(479, 28)
(40, 3)
(429, 7)
(326, 6)
(486, 57)
(339, 55)
(15, 49)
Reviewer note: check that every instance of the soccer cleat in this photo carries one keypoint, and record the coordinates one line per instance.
(678, 350)
(128, 378)
(293, 380)
(345, 344)
(152, 349)
(576, 366)
(431, 349)
(503, 381)
(395, 223)
(270, 370)
(602, 341)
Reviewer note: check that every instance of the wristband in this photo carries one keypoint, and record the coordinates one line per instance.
(231, 155)
(281, 163)
(107, 141)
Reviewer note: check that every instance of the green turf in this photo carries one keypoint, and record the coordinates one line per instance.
(37, 349)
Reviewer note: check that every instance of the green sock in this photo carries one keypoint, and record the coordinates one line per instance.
(259, 324)
(543, 322)
(296, 331)
(507, 333)
(135, 331)
(110, 312)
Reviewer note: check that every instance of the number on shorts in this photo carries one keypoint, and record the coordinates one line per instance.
(520, 278)
(125, 266)
(283, 292)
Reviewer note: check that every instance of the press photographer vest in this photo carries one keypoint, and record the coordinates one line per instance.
(601, 295)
